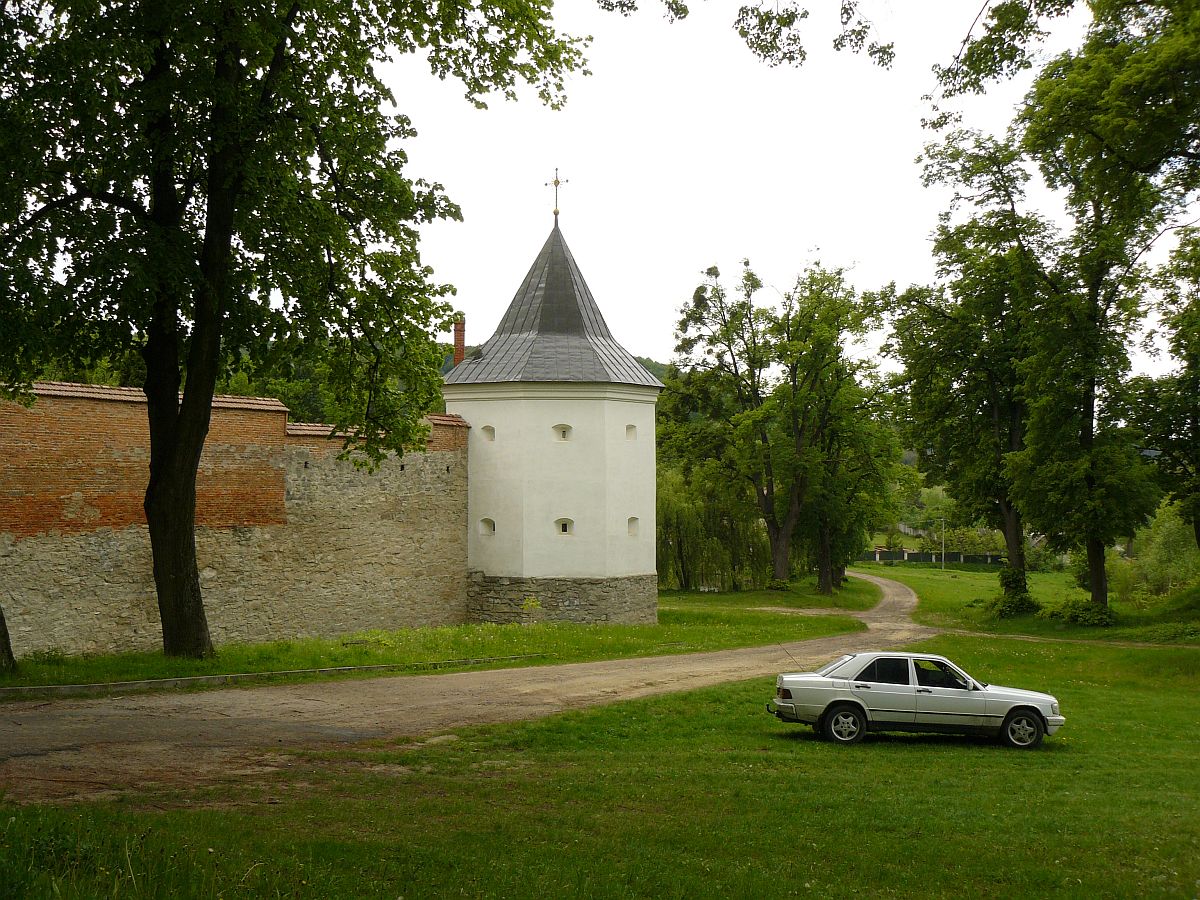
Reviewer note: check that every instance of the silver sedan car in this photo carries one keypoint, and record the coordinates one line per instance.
(863, 692)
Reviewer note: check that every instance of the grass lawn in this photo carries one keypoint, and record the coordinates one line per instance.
(954, 597)
(691, 795)
(688, 623)
(854, 595)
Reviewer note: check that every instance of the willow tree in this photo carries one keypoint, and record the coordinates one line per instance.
(204, 183)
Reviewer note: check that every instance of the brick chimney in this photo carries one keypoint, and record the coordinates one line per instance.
(460, 340)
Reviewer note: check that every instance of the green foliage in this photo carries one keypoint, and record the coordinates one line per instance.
(1163, 559)
(1013, 582)
(708, 536)
(769, 412)
(213, 187)
(1040, 558)
(1071, 300)
(1083, 612)
(975, 541)
(963, 341)
(657, 369)
(1013, 606)
(1167, 557)
(1166, 410)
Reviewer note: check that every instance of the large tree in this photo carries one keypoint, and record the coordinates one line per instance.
(1113, 128)
(1166, 410)
(764, 386)
(853, 491)
(211, 183)
(963, 342)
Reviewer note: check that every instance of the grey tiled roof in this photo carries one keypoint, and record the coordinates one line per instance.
(552, 331)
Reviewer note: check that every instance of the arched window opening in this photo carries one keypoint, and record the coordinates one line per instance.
(564, 526)
(562, 432)
(487, 526)
(631, 432)
(489, 433)
(633, 526)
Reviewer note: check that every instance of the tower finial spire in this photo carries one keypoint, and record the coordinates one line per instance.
(555, 183)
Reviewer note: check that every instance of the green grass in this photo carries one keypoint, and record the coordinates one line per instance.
(854, 595)
(691, 795)
(688, 623)
(955, 597)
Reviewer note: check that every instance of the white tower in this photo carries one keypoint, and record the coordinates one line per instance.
(560, 456)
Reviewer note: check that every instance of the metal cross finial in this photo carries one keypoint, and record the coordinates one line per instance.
(556, 182)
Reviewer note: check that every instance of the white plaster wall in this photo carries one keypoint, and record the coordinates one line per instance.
(526, 478)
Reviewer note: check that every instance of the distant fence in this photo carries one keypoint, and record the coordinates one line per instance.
(988, 559)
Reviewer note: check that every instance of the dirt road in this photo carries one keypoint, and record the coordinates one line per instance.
(88, 749)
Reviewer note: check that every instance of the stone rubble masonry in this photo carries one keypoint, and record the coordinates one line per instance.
(628, 600)
(291, 542)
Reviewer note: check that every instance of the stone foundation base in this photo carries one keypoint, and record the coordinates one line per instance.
(630, 599)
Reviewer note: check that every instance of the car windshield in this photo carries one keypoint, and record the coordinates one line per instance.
(828, 668)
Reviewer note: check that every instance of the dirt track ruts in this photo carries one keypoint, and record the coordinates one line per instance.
(81, 749)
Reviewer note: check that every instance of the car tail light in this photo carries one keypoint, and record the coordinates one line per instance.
(783, 694)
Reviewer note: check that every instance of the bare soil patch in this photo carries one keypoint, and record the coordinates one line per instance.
(72, 750)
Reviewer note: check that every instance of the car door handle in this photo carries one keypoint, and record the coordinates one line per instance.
(865, 687)
(924, 690)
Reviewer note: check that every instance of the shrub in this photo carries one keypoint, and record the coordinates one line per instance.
(1080, 611)
(1012, 582)
(1011, 606)
(778, 584)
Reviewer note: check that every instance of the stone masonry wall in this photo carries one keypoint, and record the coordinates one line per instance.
(291, 541)
(631, 600)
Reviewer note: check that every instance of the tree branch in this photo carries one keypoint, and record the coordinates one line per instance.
(128, 204)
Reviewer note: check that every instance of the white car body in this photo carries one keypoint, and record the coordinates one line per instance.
(882, 691)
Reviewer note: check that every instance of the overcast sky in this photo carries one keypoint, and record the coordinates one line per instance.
(682, 151)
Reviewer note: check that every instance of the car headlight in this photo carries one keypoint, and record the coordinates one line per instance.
(1054, 708)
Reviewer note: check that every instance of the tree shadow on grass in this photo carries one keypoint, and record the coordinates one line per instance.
(803, 734)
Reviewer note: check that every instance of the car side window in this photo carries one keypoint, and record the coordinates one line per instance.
(886, 670)
(933, 673)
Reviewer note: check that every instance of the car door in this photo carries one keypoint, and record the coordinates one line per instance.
(885, 688)
(945, 697)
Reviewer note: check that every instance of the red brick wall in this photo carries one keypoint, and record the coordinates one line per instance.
(78, 460)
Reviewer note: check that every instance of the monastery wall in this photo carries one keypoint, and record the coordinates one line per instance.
(291, 541)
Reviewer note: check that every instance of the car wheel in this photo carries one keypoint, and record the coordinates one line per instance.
(845, 724)
(1022, 729)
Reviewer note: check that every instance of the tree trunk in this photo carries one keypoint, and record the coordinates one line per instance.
(780, 537)
(171, 515)
(1196, 530)
(1014, 543)
(824, 560)
(8, 662)
(1097, 576)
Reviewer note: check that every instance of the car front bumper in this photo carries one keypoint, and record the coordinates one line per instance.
(1053, 723)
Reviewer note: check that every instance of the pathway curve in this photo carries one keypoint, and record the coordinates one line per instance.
(85, 749)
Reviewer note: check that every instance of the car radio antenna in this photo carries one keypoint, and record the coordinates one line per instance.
(789, 653)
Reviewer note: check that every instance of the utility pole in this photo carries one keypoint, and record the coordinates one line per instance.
(943, 544)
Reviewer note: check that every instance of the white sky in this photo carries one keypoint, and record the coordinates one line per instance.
(682, 151)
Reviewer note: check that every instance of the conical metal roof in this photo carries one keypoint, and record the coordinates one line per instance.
(552, 331)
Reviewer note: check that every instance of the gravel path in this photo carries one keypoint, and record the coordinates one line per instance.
(87, 749)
